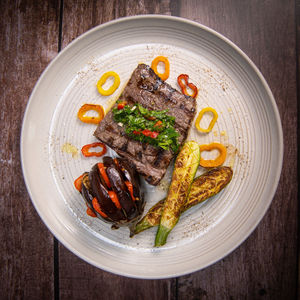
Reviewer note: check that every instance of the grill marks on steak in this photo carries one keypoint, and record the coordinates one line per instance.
(147, 89)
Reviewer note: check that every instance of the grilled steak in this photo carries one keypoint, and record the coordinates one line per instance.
(147, 89)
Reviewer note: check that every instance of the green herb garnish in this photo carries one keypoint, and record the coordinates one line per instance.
(148, 126)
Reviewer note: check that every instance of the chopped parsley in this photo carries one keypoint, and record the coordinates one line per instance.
(148, 126)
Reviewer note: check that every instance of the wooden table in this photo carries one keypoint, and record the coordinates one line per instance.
(33, 264)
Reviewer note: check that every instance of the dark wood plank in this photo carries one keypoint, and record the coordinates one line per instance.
(79, 280)
(89, 14)
(297, 13)
(265, 265)
(28, 41)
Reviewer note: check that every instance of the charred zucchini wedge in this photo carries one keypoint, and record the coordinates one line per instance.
(185, 168)
(203, 188)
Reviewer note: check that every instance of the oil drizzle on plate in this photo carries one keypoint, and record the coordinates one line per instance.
(69, 148)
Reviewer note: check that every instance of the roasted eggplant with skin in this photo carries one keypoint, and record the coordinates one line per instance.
(112, 191)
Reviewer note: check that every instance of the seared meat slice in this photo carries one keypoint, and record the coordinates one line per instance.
(147, 89)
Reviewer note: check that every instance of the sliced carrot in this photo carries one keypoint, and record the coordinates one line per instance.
(97, 208)
(114, 198)
(130, 189)
(78, 183)
(103, 174)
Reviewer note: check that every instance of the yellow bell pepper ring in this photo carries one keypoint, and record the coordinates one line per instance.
(212, 122)
(112, 88)
(164, 76)
(218, 161)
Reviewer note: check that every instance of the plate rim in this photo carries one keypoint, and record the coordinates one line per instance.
(114, 22)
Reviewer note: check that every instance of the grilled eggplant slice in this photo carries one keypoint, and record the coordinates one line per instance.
(131, 175)
(119, 187)
(99, 192)
(114, 203)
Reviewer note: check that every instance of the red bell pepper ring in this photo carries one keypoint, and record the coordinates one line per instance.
(183, 81)
(85, 150)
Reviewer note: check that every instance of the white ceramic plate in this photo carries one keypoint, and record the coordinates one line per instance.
(248, 124)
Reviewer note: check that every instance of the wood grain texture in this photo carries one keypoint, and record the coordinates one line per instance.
(79, 280)
(85, 15)
(28, 41)
(264, 266)
(297, 13)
